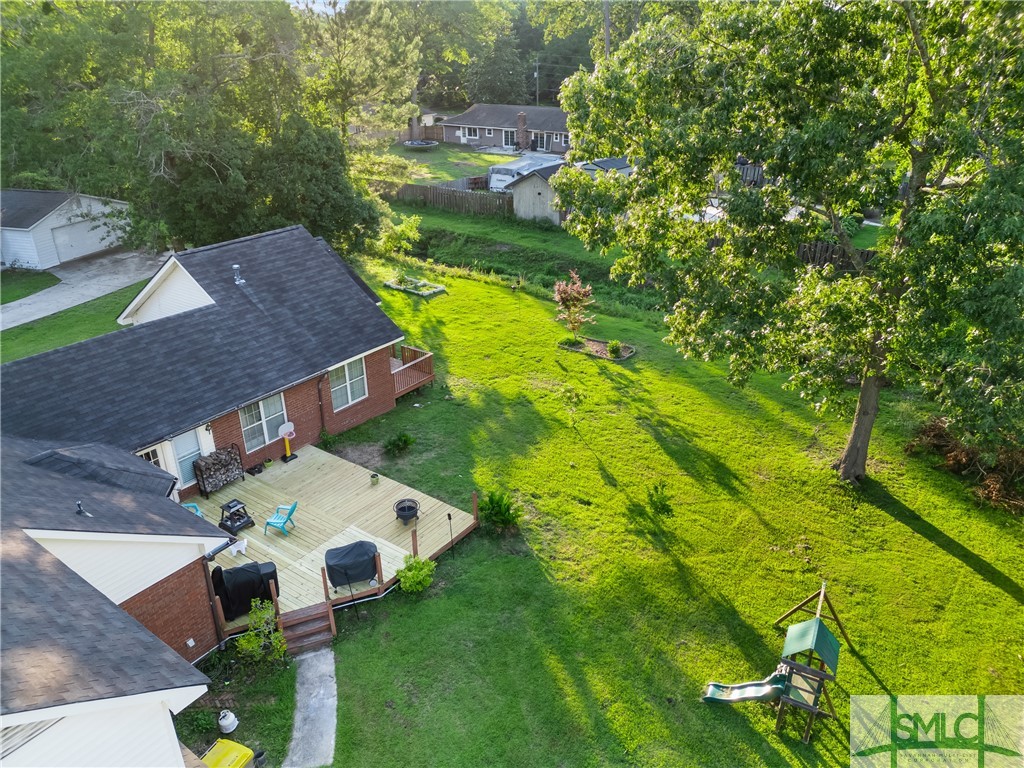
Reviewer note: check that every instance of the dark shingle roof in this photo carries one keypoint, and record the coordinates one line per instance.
(21, 208)
(105, 465)
(63, 641)
(298, 313)
(545, 173)
(550, 119)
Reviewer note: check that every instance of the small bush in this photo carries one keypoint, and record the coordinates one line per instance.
(614, 348)
(658, 499)
(264, 642)
(196, 726)
(499, 509)
(400, 443)
(416, 575)
(328, 442)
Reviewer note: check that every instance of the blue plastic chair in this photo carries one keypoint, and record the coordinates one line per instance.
(193, 508)
(279, 521)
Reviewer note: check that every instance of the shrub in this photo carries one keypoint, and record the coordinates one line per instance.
(264, 642)
(328, 442)
(398, 444)
(500, 509)
(614, 348)
(416, 575)
(658, 499)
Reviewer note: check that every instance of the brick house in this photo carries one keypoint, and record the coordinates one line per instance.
(226, 344)
(105, 604)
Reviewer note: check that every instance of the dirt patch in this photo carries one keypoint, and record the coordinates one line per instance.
(599, 348)
(369, 455)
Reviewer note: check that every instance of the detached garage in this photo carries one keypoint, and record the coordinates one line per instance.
(40, 229)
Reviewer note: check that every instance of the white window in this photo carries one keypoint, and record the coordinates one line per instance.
(186, 450)
(152, 456)
(261, 421)
(348, 384)
(490, 131)
(472, 133)
(509, 138)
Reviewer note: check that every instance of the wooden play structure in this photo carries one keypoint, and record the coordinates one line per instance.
(810, 658)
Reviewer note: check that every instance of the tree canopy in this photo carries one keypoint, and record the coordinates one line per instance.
(907, 107)
(498, 76)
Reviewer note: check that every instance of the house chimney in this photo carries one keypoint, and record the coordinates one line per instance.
(238, 275)
(522, 137)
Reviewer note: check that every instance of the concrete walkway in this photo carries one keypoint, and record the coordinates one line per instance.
(82, 280)
(316, 711)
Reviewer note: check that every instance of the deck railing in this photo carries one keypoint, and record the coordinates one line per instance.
(415, 370)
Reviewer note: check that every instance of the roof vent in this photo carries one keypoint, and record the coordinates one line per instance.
(81, 511)
(238, 275)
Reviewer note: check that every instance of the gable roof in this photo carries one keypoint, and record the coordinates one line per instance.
(63, 641)
(545, 173)
(298, 313)
(21, 208)
(550, 119)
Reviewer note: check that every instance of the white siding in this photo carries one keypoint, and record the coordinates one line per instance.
(177, 291)
(140, 735)
(533, 199)
(46, 251)
(121, 568)
(80, 238)
(18, 249)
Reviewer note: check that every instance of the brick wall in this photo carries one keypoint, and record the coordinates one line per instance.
(176, 609)
(303, 407)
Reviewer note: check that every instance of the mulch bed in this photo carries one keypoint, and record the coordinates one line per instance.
(599, 348)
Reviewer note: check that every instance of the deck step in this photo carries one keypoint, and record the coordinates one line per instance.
(302, 615)
(310, 642)
(297, 631)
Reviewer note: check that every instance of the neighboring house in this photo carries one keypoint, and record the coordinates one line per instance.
(105, 602)
(618, 165)
(219, 356)
(510, 126)
(532, 196)
(40, 229)
(499, 176)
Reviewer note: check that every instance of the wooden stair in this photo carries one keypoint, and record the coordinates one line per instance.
(307, 628)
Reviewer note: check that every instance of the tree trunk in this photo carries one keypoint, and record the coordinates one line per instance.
(852, 465)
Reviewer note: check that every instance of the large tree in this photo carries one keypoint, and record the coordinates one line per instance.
(498, 76)
(906, 106)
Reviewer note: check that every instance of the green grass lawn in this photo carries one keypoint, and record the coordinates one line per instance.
(93, 318)
(446, 162)
(18, 283)
(588, 640)
(867, 237)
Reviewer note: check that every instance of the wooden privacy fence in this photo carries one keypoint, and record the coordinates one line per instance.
(457, 201)
(820, 254)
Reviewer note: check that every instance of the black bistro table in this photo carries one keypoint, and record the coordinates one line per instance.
(234, 517)
(406, 510)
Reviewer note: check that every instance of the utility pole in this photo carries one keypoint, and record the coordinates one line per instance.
(536, 79)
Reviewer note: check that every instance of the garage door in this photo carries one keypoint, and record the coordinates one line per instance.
(79, 239)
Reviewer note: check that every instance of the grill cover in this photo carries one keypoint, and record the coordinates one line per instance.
(238, 587)
(351, 563)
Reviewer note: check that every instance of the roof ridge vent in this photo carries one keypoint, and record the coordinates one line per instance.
(238, 275)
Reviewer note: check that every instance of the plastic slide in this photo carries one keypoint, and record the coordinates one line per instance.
(762, 690)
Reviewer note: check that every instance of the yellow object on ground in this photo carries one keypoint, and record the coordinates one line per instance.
(228, 754)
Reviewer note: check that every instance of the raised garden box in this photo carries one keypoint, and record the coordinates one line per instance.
(415, 286)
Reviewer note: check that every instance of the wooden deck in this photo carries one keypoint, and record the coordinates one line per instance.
(338, 505)
(414, 369)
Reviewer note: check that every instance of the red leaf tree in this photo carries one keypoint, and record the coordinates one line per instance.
(573, 298)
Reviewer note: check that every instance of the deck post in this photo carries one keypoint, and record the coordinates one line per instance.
(219, 610)
(415, 544)
(277, 608)
(380, 573)
(476, 509)
(330, 615)
(323, 577)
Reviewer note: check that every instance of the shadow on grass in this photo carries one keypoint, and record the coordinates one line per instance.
(875, 493)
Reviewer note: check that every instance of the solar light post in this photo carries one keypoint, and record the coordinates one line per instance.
(451, 535)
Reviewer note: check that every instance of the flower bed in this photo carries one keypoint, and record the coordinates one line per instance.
(597, 348)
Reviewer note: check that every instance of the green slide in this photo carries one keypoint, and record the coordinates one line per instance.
(763, 690)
